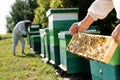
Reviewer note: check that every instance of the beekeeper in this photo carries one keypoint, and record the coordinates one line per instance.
(99, 9)
(19, 30)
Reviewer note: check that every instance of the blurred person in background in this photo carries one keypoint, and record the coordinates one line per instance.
(99, 9)
(19, 31)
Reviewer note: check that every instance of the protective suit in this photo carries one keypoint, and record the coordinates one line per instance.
(17, 35)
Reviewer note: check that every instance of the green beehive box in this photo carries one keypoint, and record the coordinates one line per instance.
(71, 63)
(54, 47)
(101, 71)
(32, 34)
(61, 25)
(115, 60)
(36, 44)
(62, 18)
(42, 36)
(32, 28)
(47, 44)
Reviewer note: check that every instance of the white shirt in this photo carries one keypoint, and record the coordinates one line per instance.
(20, 28)
(101, 8)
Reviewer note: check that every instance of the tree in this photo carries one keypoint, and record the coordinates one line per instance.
(10, 24)
(21, 10)
(64, 3)
(45, 5)
(31, 5)
(17, 12)
(40, 12)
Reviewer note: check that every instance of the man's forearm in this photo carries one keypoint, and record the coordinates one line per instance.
(85, 23)
(88, 20)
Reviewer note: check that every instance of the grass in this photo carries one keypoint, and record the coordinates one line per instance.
(22, 67)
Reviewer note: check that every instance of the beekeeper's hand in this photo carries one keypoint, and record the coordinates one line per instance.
(116, 34)
(74, 29)
(81, 26)
(78, 27)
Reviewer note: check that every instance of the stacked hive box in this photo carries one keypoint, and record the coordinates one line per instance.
(59, 20)
(54, 47)
(34, 38)
(42, 36)
(103, 51)
(101, 71)
(71, 63)
(30, 30)
(109, 71)
(35, 43)
(47, 44)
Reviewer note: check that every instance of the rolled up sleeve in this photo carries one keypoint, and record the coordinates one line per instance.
(99, 9)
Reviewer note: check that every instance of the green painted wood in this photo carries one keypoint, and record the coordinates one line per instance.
(54, 47)
(36, 43)
(71, 62)
(47, 44)
(116, 57)
(61, 10)
(54, 54)
(95, 78)
(42, 37)
(104, 71)
(32, 31)
(30, 36)
(61, 24)
(54, 41)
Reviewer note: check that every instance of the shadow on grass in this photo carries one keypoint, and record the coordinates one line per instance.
(28, 55)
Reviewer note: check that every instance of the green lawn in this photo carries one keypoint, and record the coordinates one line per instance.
(22, 67)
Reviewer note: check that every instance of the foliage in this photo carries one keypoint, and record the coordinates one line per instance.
(10, 24)
(35, 10)
(40, 12)
(64, 3)
(20, 10)
(31, 5)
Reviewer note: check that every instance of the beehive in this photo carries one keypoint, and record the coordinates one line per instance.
(67, 60)
(96, 47)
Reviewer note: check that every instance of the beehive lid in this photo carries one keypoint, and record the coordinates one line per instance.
(35, 26)
(64, 35)
(96, 47)
(61, 10)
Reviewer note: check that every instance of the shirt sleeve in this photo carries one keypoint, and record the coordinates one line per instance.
(22, 29)
(99, 9)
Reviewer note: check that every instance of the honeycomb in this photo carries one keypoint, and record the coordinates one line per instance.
(90, 46)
